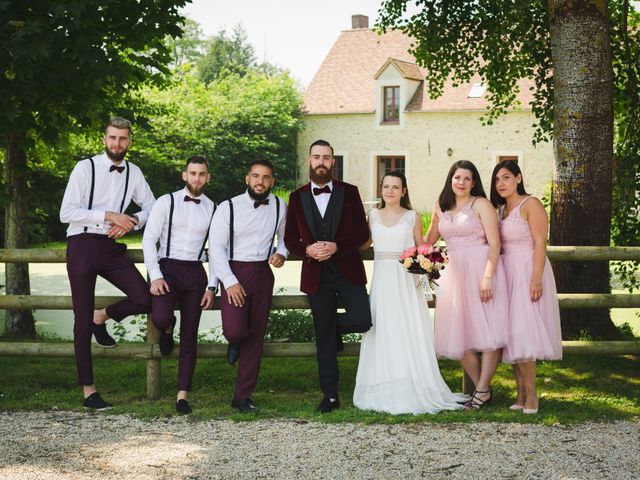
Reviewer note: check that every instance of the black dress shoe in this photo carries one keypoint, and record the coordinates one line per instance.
(102, 336)
(182, 406)
(233, 353)
(244, 405)
(166, 341)
(327, 404)
(95, 402)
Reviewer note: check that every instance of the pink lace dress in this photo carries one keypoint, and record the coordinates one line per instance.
(462, 321)
(534, 327)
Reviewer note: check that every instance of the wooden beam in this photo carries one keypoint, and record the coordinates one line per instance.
(62, 302)
(582, 253)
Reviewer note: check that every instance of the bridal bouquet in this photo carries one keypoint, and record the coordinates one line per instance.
(425, 260)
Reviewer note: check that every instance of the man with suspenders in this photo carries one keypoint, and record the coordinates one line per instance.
(242, 235)
(98, 193)
(180, 223)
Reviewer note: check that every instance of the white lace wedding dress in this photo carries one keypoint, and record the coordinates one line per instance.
(398, 371)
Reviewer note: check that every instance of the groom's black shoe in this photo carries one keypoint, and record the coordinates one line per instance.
(244, 405)
(233, 353)
(327, 404)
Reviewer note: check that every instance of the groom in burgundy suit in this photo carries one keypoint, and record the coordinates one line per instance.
(325, 225)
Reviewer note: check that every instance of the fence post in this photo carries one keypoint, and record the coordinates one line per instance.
(153, 364)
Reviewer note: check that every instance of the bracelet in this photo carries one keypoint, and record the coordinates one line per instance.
(487, 276)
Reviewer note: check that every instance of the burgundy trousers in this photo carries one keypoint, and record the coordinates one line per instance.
(245, 326)
(187, 283)
(90, 255)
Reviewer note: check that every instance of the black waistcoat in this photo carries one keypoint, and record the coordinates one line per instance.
(323, 230)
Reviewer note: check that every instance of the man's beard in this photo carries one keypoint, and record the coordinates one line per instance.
(320, 178)
(258, 196)
(195, 191)
(116, 157)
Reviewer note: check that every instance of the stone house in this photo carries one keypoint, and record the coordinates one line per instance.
(368, 100)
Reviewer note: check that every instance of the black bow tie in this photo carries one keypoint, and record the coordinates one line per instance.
(114, 167)
(187, 198)
(318, 191)
(257, 203)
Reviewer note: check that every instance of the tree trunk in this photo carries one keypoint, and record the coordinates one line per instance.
(583, 145)
(18, 323)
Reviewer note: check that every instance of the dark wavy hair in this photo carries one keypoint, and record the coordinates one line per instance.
(514, 168)
(404, 201)
(447, 199)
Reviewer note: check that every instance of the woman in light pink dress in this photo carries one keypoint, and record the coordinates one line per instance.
(534, 316)
(471, 306)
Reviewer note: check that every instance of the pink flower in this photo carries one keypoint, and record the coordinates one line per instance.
(424, 249)
(409, 252)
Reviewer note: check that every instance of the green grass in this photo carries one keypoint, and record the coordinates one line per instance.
(575, 390)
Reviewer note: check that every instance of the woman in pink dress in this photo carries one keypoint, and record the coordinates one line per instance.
(471, 306)
(534, 316)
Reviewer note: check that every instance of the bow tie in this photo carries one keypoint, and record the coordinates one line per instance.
(187, 198)
(114, 167)
(318, 191)
(257, 203)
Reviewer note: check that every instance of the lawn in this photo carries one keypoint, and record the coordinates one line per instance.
(578, 389)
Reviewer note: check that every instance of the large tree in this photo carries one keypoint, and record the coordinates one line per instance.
(67, 64)
(565, 47)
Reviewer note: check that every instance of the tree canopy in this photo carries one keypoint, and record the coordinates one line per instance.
(69, 62)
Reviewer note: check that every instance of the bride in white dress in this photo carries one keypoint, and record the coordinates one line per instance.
(398, 371)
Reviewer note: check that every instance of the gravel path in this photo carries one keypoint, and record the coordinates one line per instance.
(64, 445)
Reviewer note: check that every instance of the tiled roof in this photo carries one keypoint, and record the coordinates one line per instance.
(345, 82)
(407, 69)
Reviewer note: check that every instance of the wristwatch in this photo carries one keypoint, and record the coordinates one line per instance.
(213, 289)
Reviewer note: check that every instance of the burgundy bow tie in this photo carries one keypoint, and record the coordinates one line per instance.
(318, 191)
(114, 167)
(187, 198)
(257, 203)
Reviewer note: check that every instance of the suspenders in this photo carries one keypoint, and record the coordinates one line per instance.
(93, 185)
(273, 237)
(93, 181)
(204, 242)
(170, 225)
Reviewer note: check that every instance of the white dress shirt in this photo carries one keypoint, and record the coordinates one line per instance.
(108, 192)
(322, 200)
(252, 233)
(189, 228)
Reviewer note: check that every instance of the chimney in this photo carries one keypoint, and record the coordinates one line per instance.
(359, 21)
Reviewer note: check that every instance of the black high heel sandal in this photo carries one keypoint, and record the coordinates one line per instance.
(476, 403)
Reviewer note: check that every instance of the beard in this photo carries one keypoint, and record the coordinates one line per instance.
(258, 196)
(195, 191)
(116, 157)
(320, 178)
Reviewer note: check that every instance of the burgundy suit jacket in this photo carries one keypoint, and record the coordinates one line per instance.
(349, 230)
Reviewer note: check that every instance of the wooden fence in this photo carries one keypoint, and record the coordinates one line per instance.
(151, 352)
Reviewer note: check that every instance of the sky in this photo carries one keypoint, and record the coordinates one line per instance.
(293, 34)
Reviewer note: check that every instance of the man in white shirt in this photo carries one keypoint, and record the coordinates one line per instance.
(180, 223)
(98, 193)
(241, 246)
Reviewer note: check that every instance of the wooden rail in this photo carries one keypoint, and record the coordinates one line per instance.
(150, 351)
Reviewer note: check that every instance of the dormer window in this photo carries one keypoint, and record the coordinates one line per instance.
(391, 99)
(476, 91)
